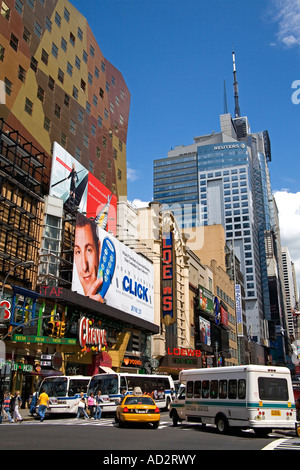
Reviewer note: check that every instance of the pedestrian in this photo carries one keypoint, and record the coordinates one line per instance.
(91, 405)
(33, 403)
(43, 403)
(98, 400)
(81, 407)
(16, 403)
(6, 406)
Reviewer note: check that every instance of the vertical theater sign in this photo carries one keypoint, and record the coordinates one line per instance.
(168, 279)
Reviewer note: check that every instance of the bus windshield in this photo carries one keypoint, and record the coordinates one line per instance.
(55, 387)
(107, 384)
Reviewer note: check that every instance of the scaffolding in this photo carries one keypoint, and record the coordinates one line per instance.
(23, 183)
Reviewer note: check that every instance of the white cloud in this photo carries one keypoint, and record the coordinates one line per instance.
(132, 175)
(138, 204)
(287, 15)
(289, 221)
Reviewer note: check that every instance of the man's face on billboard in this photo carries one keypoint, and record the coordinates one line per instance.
(86, 257)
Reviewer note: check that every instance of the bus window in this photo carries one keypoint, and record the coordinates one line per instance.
(223, 389)
(273, 389)
(242, 389)
(189, 389)
(197, 389)
(214, 388)
(232, 389)
(205, 389)
(77, 386)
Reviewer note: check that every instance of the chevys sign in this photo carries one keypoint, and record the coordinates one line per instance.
(89, 335)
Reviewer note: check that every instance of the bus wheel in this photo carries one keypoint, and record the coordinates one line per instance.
(222, 424)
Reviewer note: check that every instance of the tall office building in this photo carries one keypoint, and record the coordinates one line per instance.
(60, 88)
(290, 289)
(223, 178)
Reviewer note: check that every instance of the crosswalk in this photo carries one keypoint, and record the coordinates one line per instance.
(106, 422)
(284, 444)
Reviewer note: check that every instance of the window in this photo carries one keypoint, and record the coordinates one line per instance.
(47, 124)
(22, 74)
(86, 140)
(41, 94)
(28, 106)
(57, 111)
(61, 76)
(272, 388)
(88, 107)
(57, 19)
(72, 127)
(45, 57)
(232, 389)
(14, 42)
(5, 11)
(77, 62)
(67, 15)
(8, 86)
(26, 35)
(67, 100)
(72, 39)
(54, 50)
(189, 389)
(96, 72)
(103, 66)
(242, 389)
(63, 139)
(85, 56)
(75, 92)
(69, 69)
(64, 44)
(223, 389)
(51, 83)
(34, 64)
(91, 166)
(197, 385)
(80, 34)
(93, 130)
(48, 24)
(31, 3)
(205, 389)
(82, 85)
(19, 7)
(38, 30)
(2, 53)
(77, 153)
(214, 388)
(80, 115)
(92, 51)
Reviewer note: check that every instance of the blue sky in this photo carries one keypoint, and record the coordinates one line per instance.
(174, 56)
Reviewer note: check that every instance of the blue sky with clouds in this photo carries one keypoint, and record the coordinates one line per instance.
(175, 55)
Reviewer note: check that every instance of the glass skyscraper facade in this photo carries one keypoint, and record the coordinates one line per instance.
(223, 179)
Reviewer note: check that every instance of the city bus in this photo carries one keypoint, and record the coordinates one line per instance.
(114, 386)
(64, 392)
(247, 397)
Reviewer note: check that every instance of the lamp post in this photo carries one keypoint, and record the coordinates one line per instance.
(24, 264)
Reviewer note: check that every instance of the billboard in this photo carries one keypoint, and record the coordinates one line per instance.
(106, 270)
(79, 188)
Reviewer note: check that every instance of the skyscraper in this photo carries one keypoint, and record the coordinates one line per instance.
(223, 178)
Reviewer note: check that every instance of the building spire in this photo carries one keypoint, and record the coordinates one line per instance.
(236, 91)
(225, 99)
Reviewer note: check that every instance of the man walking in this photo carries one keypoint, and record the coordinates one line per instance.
(43, 404)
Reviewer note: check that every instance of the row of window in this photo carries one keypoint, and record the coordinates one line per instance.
(232, 389)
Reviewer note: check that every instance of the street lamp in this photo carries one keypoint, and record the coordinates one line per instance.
(24, 264)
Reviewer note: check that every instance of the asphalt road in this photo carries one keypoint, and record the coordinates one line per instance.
(139, 442)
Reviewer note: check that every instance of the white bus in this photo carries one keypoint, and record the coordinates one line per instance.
(64, 392)
(256, 397)
(114, 386)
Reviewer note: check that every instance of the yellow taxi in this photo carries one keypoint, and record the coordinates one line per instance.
(138, 409)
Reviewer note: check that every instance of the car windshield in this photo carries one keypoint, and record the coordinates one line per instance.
(138, 401)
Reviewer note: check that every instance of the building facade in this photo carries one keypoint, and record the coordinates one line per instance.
(222, 178)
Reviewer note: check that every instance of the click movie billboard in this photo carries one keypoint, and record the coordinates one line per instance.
(77, 187)
(106, 270)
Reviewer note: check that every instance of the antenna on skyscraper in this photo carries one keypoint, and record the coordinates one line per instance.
(236, 90)
(225, 99)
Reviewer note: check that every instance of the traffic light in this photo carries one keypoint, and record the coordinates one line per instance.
(62, 329)
(50, 328)
(56, 329)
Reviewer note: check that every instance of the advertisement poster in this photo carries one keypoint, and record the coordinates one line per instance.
(205, 336)
(79, 188)
(106, 270)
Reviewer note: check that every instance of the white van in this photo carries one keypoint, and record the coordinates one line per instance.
(250, 396)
